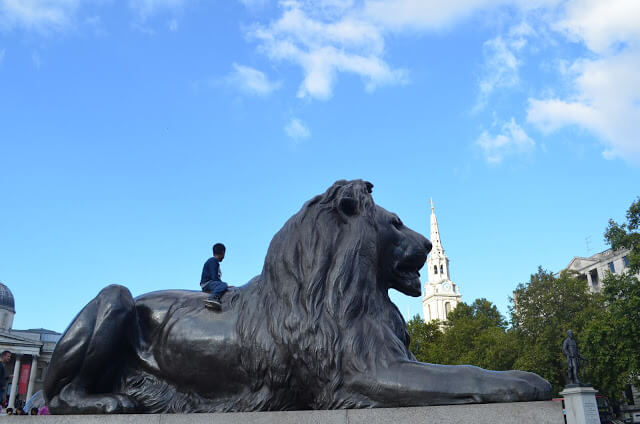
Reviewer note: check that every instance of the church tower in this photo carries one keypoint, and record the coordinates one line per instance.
(440, 295)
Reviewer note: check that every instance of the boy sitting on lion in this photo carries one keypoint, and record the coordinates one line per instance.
(210, 280)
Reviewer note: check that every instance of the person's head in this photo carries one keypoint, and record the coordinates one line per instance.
(5, 356)
(219, 251)
(570, 334)
(34, 411)
(9, 411)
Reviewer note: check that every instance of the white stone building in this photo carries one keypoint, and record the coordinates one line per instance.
(596, 267)
(441, 295)
(31, 352)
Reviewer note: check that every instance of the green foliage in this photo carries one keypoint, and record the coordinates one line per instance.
(611, 340)
(425, 339)
(474, 334)
(607, 324)
(542, 312)
(627, 236)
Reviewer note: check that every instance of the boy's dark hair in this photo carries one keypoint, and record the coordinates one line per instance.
(4, 353)
(219, 248)
(34, 411)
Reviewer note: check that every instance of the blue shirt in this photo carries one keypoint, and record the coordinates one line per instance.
(210, 272)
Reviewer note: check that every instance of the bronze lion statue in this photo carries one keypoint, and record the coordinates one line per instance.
(315, 330)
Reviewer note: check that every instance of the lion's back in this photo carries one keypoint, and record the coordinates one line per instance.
(174, 325)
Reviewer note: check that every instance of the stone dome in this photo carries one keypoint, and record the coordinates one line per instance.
(6, 298)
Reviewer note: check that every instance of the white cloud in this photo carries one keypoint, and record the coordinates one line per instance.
(296, 130)
(421, 14)
(511, 140)
(323, 44)
(59, 15)
(251, 81)
(606, 102)
(326, 39)
(403, 15)
(335, 36)
(604, 87)
(602, 25)
(500, 68)
(40, 15)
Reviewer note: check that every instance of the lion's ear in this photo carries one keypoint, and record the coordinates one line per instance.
(369, 186)
(348, 206)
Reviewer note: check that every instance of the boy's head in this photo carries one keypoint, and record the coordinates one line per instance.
(5, 356)
(219, 251)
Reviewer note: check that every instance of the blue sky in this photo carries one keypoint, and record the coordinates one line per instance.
(134, 134)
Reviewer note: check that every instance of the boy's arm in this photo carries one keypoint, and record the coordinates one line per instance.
(214, 268)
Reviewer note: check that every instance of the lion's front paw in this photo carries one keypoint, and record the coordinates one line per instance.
(537, 388)
(118, 404)
(512, 386)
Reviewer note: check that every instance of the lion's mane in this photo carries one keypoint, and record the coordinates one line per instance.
(317, 312)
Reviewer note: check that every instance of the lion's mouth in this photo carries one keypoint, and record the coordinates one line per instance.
(409, 267)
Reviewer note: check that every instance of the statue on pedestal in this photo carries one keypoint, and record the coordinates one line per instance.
(570, 350)
(314, 330)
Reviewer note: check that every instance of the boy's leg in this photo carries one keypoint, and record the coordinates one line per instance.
(207, 286)
(218, 290)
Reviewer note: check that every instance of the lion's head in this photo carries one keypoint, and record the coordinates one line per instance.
(323, 292)
(343, 235)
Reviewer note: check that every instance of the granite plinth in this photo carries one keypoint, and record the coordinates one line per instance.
(580, 404)
(494, 413)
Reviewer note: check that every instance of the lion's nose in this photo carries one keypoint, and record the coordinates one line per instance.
(427, 246)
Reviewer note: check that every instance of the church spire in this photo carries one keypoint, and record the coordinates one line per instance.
(436, 243)
(441, 294)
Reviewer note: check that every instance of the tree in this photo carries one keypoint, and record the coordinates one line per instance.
(542, 311)
(473, 334)
(611, 341)
(425, 339)
(607, 324)
(627, 236)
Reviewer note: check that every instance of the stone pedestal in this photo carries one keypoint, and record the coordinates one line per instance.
(580, 405)
(489, 413)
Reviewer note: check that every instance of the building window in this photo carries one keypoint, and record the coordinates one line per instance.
(594, 277)
(435, 269)
(612, 268)
(447, 309)
(625, 260)
(441, 270)
(40, 374)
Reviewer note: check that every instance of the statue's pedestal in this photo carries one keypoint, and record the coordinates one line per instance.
(580, 404)
(546, 412)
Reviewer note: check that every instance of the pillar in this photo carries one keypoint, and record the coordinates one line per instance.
(32, 375)
(580, 405)
(14, 382)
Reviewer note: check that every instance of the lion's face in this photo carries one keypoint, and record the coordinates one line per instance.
(402, 252)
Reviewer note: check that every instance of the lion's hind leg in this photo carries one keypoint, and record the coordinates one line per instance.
(83, 370)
